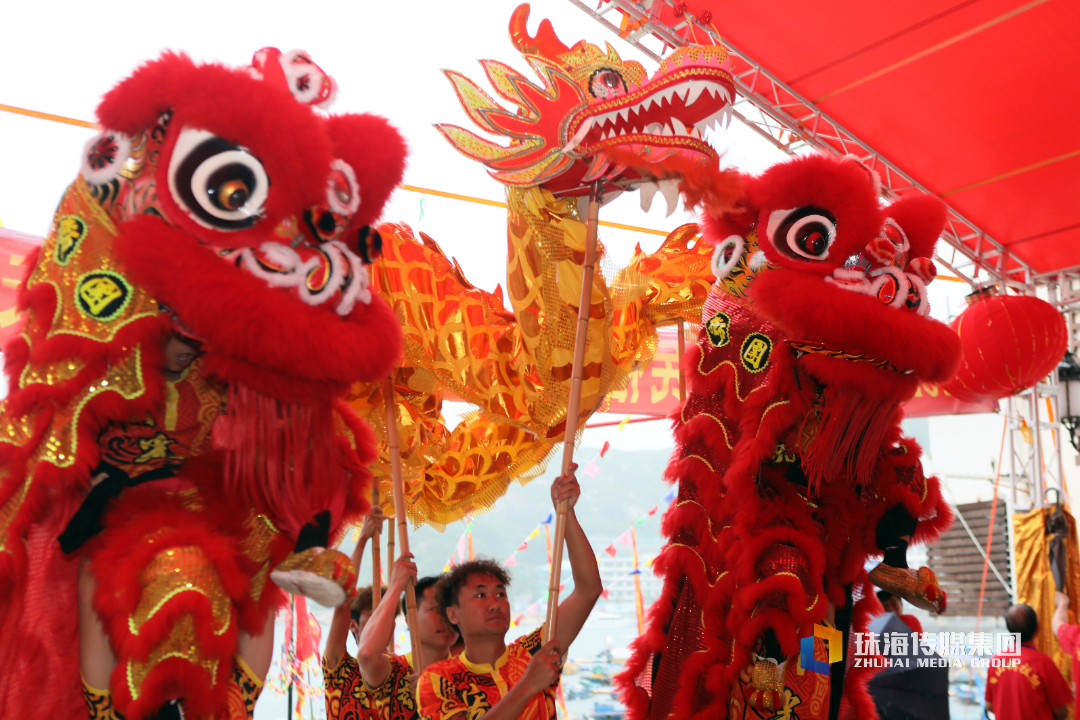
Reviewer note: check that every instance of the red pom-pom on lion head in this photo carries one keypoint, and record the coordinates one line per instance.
(846, 276)
(248, 212)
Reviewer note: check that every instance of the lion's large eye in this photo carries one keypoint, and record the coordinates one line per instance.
(804, 233)
(222, 186)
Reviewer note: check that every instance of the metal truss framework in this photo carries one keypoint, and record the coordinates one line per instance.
(1035, 466)
(793, 124)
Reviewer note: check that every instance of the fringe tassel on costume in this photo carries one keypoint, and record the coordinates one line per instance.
(848, 441)
(276, 453)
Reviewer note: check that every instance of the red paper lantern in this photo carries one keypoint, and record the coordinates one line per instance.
(1008, 344)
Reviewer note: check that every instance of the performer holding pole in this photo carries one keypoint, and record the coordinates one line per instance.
(573, 406)
(345, 692)
(507, 681)
(399, 512)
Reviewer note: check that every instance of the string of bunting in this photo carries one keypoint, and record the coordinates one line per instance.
(626, 538)
(296, 661)
(590, 470)
(464, 547)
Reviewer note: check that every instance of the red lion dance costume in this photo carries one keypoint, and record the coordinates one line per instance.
(220, 204)
(791, 467)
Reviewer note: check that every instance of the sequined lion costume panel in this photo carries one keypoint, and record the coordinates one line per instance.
(791, 466)
(221, 204)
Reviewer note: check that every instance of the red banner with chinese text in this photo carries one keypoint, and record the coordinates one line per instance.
(654, 390)
(14, 248)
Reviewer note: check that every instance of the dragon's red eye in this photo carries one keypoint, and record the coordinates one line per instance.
(606, 83)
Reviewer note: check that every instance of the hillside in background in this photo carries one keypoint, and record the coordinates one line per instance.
(626, 487)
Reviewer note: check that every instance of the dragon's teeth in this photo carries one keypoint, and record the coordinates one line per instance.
(624, 114)
(648, 192)
(670, 191)
(694, 92)
(678, 126)
(666, 131)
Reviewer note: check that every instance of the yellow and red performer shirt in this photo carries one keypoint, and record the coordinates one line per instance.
(348, 695)
(347, 698)
(163, 440)
(457, 689)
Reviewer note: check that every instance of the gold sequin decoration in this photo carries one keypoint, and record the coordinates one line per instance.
(16, 430)
(584, 59)
(181, 643)
(678, 277)
(10, 509)
(61, 441)
(259, 535)
(515, 367)
(175, 571)
(53, 373)
(95, 255)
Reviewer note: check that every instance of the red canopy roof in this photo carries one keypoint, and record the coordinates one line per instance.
(977, 101)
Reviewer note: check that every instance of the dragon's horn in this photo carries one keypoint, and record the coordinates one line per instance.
(546, 43)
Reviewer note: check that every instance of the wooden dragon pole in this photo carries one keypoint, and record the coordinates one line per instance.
(376, 554)
(573, 406)
(682, 344)
(399, 513)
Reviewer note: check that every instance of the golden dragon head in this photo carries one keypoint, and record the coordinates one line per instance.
(590, 101)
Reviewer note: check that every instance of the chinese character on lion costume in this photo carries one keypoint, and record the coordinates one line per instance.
(791, 466)
(220, 206)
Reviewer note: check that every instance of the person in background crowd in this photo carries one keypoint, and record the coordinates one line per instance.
(390, 680)
(345, 692)
(1067, 634)
(893, 603)
(493, 679)
(1029, 687)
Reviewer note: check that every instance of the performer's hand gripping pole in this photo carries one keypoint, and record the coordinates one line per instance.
(574, 404)
(399, 513)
